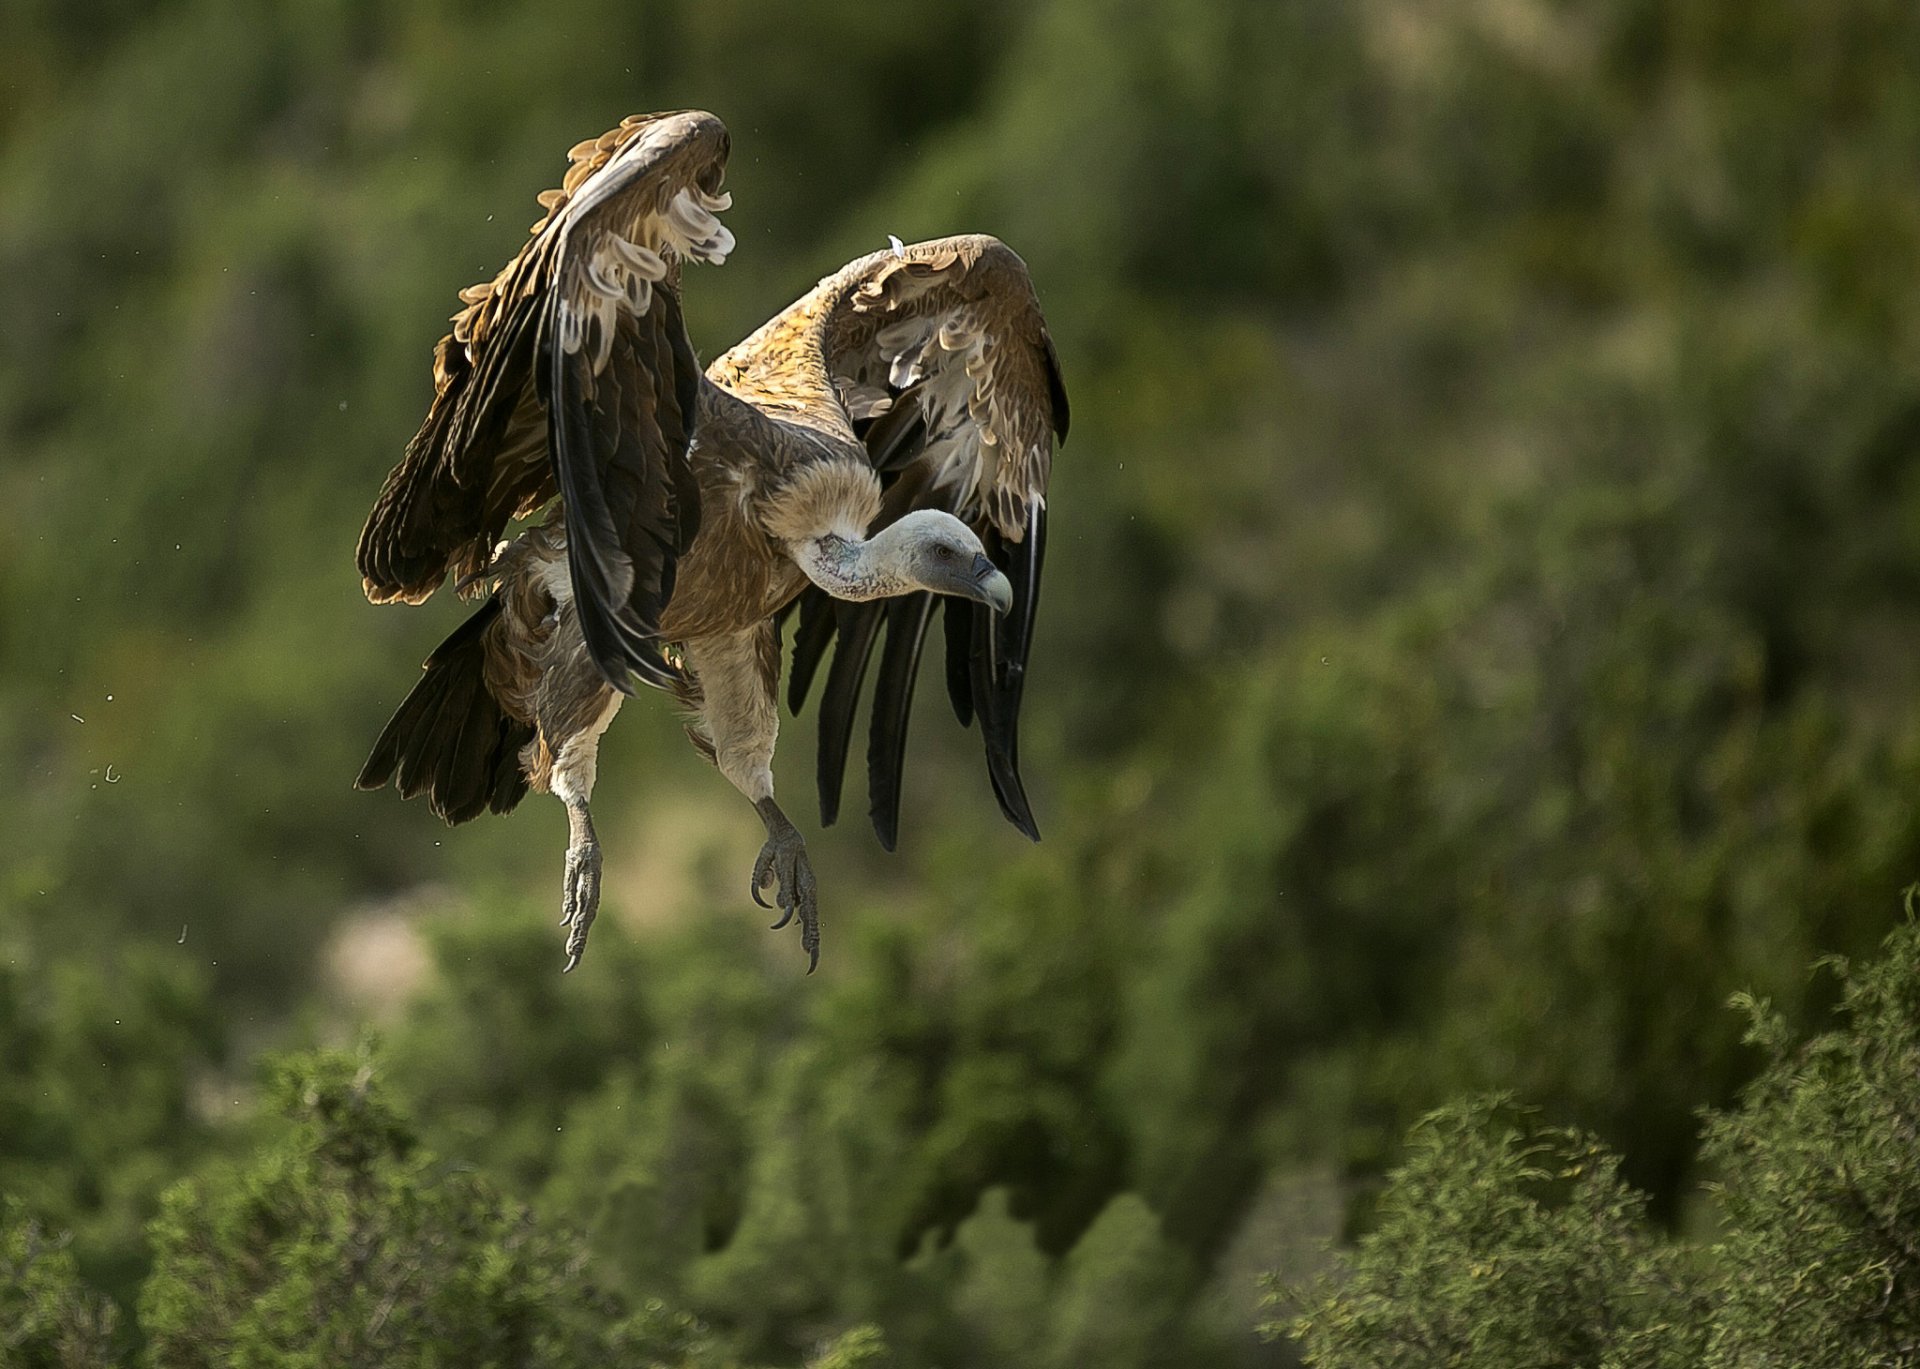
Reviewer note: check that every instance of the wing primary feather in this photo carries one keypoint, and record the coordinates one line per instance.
(858, 625)
(998, 666)
(589, 524)
(1029, 557)
(959, 628)
(810, 642)
(689, 381)
(998, 728)
(619, 634)
(907, 621)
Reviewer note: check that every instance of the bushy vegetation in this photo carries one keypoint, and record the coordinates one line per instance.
(1479, 641)
(1503, 1242)
(343, 1243)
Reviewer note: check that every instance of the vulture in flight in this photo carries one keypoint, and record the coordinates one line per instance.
(876, 455)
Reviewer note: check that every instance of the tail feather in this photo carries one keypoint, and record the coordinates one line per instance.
(450, 739)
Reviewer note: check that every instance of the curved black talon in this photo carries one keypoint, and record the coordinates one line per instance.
(762, 872)
(784, 860)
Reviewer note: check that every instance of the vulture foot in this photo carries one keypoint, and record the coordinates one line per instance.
(783, 861)
(580, 896)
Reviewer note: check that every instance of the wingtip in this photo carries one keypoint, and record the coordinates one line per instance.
(1011, 795)
(378, 769)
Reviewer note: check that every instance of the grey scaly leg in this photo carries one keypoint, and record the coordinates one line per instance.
(580, 898)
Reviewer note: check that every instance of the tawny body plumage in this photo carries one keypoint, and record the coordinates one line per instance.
(883, 441)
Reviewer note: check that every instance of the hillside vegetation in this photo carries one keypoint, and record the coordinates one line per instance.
(1481, 638)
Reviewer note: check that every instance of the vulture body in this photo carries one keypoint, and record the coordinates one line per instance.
(876, 455)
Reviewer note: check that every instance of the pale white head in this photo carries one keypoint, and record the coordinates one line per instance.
(925, 550)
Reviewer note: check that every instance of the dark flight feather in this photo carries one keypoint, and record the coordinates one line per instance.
(897, 435)
(857, 624)
(959, 628)
(810, 641)
(616, 440)
(907, 620)
(449, 738)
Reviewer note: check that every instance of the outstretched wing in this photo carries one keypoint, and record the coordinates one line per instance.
(942, 365)
(571, 373)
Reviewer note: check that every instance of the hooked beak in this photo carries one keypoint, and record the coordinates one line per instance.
(988, 586)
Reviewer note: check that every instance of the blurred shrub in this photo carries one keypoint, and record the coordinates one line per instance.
(98, 1105)
(342, 1242)
(1501, 1242)
(1504, 1242)
(49, 1319)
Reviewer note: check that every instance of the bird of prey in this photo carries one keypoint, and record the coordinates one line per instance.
(876, 453)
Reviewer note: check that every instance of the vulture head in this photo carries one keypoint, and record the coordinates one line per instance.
(932, 550)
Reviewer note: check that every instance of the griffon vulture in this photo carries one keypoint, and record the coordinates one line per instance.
(875, 453)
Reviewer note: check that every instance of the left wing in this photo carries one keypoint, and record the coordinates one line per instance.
(942, 366)
(571, 373)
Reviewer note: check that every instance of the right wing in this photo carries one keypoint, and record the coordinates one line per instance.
(571, 373)
(943, 368)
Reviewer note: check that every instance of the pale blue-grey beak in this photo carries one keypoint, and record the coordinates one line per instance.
(988, 586)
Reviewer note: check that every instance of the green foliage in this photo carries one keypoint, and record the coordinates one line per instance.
(496, 1052)
(998, 1279)
(97, 1098)
(343, 1242)
(340, 1244)
(1478, 640)
(1119, 1293)
(1818, 1184)
(1500, 1241)
(1503, 1242)
(49, 1319)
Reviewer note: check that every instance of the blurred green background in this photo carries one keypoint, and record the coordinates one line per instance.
(1481, 632)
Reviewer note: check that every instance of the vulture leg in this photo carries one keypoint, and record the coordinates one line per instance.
(574, 706)
(580, 897)
(736, 679)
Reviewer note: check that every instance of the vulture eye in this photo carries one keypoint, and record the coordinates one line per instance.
(943, 551)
